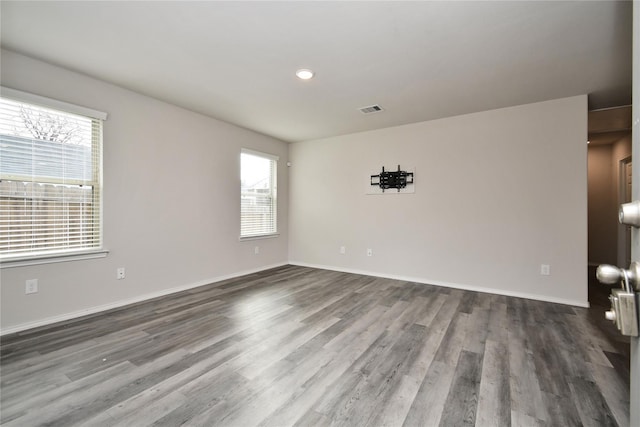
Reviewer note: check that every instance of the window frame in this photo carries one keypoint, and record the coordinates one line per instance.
(62, 255)
(273, 194)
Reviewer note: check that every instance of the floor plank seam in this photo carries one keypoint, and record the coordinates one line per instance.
(301, 346)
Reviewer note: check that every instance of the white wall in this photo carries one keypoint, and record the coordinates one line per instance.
(497, 194)
(171, 202)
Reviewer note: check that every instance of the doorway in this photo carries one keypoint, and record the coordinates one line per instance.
(609, 166)
(609, 174)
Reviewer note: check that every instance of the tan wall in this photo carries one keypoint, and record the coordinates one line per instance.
(621, 150)
(602, 206)
(606, 236)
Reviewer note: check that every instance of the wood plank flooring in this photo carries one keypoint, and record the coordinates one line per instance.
(296, 346)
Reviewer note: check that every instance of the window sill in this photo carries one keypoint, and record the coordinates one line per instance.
(259, 237)
(52, 258)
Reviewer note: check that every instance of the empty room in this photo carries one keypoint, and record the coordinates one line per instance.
(234, 213)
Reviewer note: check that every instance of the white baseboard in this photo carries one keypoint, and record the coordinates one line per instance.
(117, 304)
(449, 284)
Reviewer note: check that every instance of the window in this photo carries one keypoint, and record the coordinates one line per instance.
(258, 205)
(50, 177)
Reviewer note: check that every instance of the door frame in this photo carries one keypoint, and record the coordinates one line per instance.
(624, 231)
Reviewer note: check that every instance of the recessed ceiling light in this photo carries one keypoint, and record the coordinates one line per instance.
(304, 74)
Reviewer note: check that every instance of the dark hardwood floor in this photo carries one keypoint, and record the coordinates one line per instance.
(296, 346)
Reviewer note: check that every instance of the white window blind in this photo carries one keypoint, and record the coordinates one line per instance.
(258, 206)
(50, 180)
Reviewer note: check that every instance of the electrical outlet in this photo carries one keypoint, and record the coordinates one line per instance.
(343, 250)
(369, 252)
(545, 269)
(256, 250)
(31, 286)
(120, 273)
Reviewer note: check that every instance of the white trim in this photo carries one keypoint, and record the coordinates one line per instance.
(52, 258)
(18, 95)
(259, 237)
(259, 153)
(122, 303)
(584, 304)
(141, 298)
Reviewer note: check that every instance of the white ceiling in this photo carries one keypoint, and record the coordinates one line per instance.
(235, 61)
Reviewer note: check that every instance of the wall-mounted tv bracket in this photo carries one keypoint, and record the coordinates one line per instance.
(397, 179)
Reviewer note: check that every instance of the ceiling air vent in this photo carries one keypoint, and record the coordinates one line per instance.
(370, 109)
